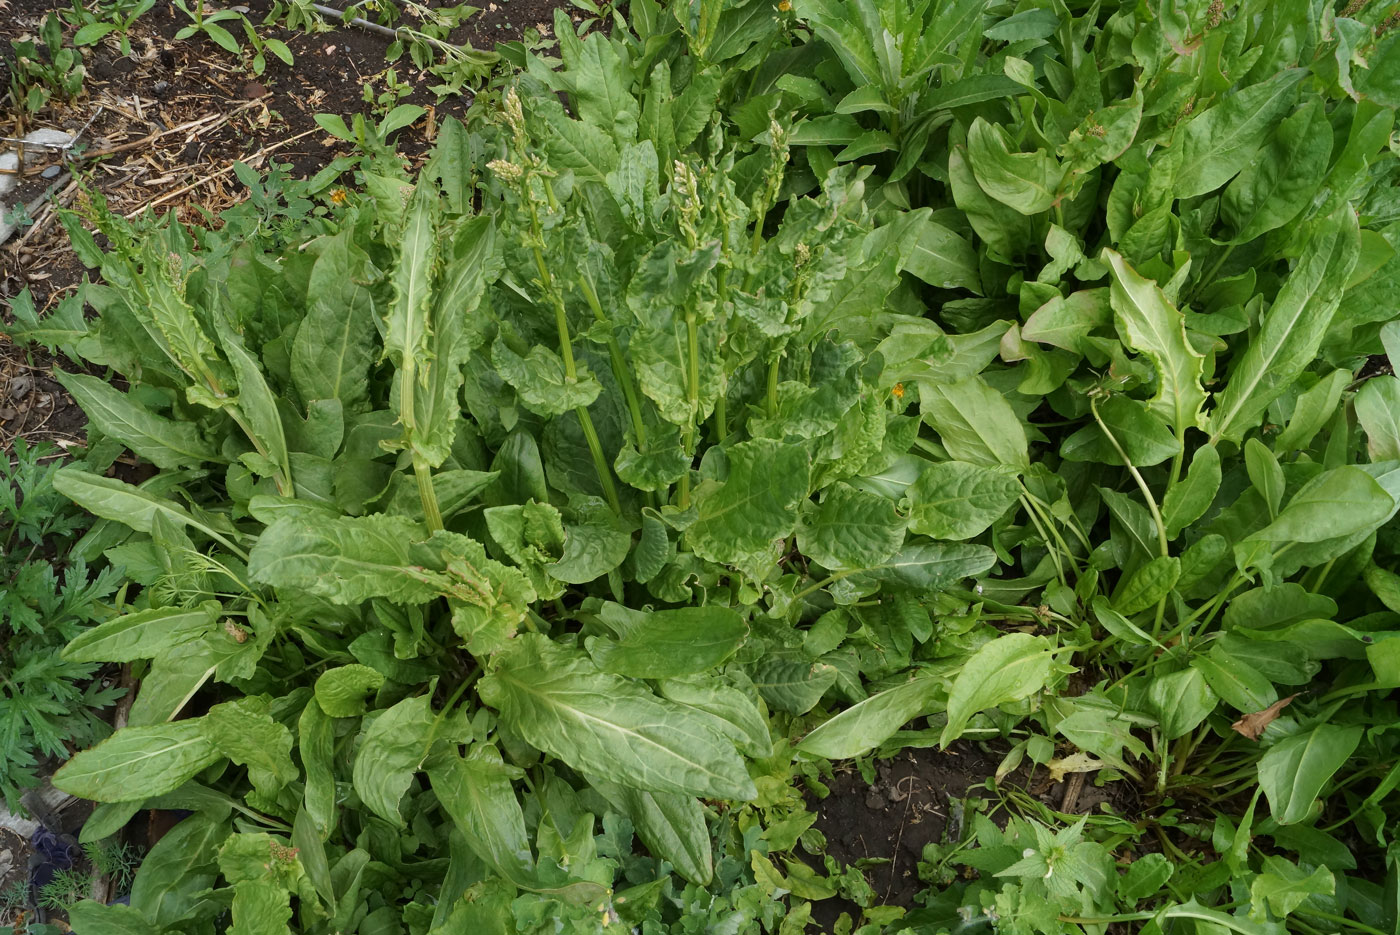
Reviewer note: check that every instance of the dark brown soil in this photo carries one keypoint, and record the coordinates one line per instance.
(919, 797)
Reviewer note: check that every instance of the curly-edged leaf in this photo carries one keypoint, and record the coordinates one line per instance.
(558, 701)
(864, 726)
(478, 793)
(341, 691)
(138, 762)
(245, 733)
(1293, 771)
(1274, 188)
(975, 422)
(740, 521)
(143, 634)
(1219, 142)
(1150, 324)
(540, 381)
(348, 559)
(390, 752)
(1292, 330)
(671, 826)
(591, 550)
(672, 643)
(334, 344)
(851, 529)
(957, 500)
(1009, 668)
(1028, 182)
(166, 443)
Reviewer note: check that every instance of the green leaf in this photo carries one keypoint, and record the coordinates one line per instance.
(391, 751)
(1336, 503)
(118, 920)
(743, 521)
(957, 500)
(341, 691)
(1192, 496)
(478, 792)
(558, 701)
(316, 747)
(1142, 433)
(864, 726)
(793, 683)
(671, 826)
(143, 634)
(334, 344)
(1314, 409)
(541, 382)
(672, 643)
(1238, 683)
(1009, 668)
(257, 404)
(851, 529)
(1219, 142)
(942, 258)
(1028, 182)
(1292, 329)
(166, 443)
(348, 559)
(1180, 701)
(1152, 325)
(1293, 771)
(1378, 411)
(1265, 473)
(734, 713)
(139, 762)
(249, 736)
(1274, 188)
(591, 550)
(975, 423)
(179, 869)
(1147, 585)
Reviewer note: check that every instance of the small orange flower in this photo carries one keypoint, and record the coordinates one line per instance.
(338, 196)
(898, 391)
(784, 5)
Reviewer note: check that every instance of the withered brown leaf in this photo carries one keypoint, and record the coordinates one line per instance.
(1252, 725)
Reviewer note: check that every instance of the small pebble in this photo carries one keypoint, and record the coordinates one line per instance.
(51, 172)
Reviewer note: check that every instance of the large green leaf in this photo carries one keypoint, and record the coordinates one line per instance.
(1150, 324)
(333, 347)
(1221, 141)
(864, 726)
(957, 500)
(138, 762)
(975, 423)
(671, 826)
(851, 529)
(557, 700)
(166, 443)
(477, 792)
(1292, 329)
(143, 634)
(1293, 771)
(391, 751)
(672, 643)
(742, 521)
(1009, 668)
(1273, 189)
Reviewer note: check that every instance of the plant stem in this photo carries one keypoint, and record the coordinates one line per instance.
(432, 513)
(619, 363)
(692, 393)
(566, 351)
(1142, 484)
(772, 396)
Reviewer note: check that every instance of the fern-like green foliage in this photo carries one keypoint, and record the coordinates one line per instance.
(47, 704)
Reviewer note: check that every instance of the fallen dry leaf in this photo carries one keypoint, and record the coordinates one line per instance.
(1074, 763)
(1252, 725)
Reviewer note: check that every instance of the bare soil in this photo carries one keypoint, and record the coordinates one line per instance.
(920, 797)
